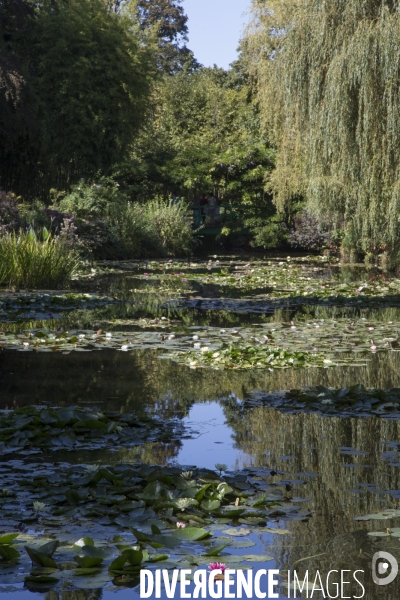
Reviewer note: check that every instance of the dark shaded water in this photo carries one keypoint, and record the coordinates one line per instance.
(314, 458)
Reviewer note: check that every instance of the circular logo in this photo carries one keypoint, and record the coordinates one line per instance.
(380, 568)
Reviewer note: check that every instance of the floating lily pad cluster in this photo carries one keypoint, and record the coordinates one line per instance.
(240, 356)
(137, 517)
(324, 338)
(24, 306)
(354, 401)
(74, 428)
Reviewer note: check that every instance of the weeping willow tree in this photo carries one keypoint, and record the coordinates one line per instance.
(328, 73)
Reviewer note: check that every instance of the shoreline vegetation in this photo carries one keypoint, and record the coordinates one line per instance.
(144, 174)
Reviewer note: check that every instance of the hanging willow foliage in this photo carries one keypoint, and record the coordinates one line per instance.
(329, 82)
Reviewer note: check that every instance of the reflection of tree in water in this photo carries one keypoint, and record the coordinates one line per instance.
(139, 381)
(75, 595)
(313, 444)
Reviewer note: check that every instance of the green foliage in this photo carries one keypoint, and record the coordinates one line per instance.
(329, 89)
(204, 138)
(30, 262)
(89, 78)
(167, 21)
(269, 233)
(98, 200)
(157, 228)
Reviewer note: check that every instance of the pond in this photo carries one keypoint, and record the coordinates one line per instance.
(254, 400)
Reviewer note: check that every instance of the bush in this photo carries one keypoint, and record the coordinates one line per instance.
(170, 225)
(310, 233)
(111, 226)
(30, 262)
(268, 234)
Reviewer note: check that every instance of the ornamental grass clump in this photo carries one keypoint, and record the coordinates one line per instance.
(30, 261)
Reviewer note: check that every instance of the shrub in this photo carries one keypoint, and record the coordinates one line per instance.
(94, 200)
(30, 261)
(268, 234)
(111, 226)
(170, 225)
(309, 233)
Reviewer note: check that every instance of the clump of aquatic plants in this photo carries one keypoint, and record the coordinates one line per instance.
(296, 283)
(73, 428)
(23, 306)
(138, 517)
(240, 356)
(355, 401)
(31, 261)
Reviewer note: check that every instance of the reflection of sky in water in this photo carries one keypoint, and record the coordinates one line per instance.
(214, 444)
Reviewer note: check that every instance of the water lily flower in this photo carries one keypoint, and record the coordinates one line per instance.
(195, 337)
(198, 345)
(108, 335)
(372, 347)
(205, 349)
(92, 468)
(221, 467)
(39, 506)
(124, 347)
(217, 567)
(181, 525)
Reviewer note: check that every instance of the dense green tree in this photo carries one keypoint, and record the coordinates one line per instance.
(204, 136)
(329, 85)
(167, 20)
(91, 76)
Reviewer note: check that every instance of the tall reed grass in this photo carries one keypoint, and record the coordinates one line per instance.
(31, 261)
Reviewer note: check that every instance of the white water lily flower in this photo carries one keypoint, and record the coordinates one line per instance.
(108, 335)
(205, 349)
(198, 345)
(223, 331)
(39, 506)
(171, 337)
(26, 343)
(92, 468)
(81, 336)
(125, 347)
(195, 337)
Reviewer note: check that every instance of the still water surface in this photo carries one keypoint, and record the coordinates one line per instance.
(339, 468)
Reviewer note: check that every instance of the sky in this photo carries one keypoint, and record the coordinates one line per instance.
(215, 28)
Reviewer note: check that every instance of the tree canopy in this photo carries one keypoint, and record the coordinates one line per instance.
(329, 84)
(89, 77)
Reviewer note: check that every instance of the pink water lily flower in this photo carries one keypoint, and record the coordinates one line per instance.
(181, 525)
(217, 567)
